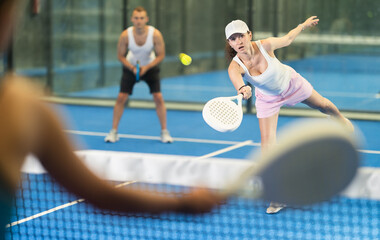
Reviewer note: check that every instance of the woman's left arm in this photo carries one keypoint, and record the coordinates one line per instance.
(274, 43)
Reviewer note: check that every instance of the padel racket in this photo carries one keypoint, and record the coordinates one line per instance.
(312, 162)
(223, 113)
(137, 71)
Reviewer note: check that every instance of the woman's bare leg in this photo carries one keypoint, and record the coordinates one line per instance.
(325, 106)
(268, 129)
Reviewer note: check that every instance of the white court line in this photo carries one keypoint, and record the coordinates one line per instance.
(227, 149)
(212, 154)
(57, 208)
(369, 151)
(44, 213)
(132, 136)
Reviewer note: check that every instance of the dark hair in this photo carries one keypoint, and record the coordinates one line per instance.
(8, 15)
(8, 3)
(229, 52)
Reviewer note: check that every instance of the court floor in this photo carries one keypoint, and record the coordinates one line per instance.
(184, 126)
(339, 218)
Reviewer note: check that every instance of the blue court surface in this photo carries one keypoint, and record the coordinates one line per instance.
(183, 125)
(350, 81)
(339, 218)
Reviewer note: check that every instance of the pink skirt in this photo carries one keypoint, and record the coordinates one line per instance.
(299, 90)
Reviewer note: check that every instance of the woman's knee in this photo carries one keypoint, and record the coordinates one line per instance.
(325, 105)
(322, 104)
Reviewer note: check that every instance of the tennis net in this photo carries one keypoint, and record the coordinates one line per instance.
(44, 210)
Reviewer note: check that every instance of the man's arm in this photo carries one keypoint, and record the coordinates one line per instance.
(122, 48)
(159, 49)
(273, 43)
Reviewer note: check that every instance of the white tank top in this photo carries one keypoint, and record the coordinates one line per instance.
(145, 53)
(274, 80)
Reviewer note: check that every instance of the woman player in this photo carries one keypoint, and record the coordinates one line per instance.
(276, 84)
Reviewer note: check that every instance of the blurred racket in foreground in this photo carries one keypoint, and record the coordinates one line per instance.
(313, 161)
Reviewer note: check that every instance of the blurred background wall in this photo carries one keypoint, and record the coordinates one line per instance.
(70, 45)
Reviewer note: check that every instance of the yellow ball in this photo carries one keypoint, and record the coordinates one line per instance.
(185, 59)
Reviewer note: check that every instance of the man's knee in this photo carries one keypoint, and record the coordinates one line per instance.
(158, 99)
(122, 98)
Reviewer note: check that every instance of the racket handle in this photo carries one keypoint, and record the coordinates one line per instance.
(240, 99)
(137, 71)
(237, 97)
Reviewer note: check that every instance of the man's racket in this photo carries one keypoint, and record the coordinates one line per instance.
(137, 71)
(223, 114)
(313, 161)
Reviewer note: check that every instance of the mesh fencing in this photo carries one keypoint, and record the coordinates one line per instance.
(339, 218)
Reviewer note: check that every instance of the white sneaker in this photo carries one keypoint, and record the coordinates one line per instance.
(275, 207)
(165, 136)
(112, 136)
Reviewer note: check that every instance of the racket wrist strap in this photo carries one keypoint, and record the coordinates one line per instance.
(242, 87)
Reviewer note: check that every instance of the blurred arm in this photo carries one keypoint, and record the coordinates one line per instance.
(57, 156)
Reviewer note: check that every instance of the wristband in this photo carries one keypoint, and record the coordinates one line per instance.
(242, 87)
(303, 28)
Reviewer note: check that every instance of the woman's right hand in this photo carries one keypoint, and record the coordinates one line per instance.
(246, 91)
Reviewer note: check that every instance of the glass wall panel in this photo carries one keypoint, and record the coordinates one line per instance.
(70, 46)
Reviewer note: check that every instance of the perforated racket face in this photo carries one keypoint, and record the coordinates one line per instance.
(310, 172)
(222, 114)
(313, 161)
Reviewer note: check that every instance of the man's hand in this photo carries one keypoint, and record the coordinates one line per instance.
(143, 70)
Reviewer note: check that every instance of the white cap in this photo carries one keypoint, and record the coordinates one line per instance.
(236, 26)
